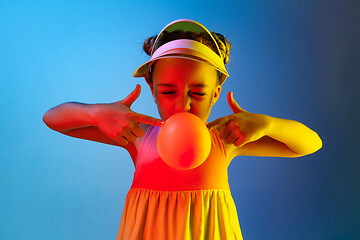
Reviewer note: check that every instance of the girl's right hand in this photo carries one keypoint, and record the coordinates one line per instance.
(119, 122)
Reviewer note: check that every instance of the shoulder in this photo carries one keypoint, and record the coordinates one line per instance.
(134, 147)
(230, 149)
(138, 141)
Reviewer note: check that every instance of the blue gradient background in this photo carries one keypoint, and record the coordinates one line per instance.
(291, 59)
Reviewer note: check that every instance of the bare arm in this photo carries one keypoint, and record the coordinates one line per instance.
(246, 133)
(70, 116)
(282, 138)
(112, 123)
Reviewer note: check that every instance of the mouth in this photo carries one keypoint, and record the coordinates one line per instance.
(182, 112)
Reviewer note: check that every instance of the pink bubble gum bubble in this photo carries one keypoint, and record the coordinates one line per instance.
(184, 141)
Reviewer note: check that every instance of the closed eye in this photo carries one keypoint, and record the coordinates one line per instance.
(166, 93)
(173, 92)
(197, 93)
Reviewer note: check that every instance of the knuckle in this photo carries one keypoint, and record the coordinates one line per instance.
(119, 130)
(130, 114)
(238, 132)
(125, 125)
(231, 123)
(116, 135)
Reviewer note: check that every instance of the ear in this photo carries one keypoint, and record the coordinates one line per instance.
(216, 95)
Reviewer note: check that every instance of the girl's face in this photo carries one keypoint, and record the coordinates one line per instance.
(183, 85)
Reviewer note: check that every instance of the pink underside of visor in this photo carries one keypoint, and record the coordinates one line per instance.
(184, 48)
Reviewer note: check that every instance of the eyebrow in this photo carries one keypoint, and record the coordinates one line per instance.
(173, 85)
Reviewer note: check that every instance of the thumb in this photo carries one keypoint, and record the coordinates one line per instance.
(233, 104)
(130, 99)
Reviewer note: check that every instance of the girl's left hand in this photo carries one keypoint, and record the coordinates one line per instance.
(241, 127)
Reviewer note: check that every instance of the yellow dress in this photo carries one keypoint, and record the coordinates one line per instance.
(167, 203)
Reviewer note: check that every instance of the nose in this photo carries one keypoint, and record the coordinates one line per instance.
(183, 104)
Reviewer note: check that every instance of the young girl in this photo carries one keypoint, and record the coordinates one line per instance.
(185, 74)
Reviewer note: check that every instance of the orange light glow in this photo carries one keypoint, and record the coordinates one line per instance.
(190, 144)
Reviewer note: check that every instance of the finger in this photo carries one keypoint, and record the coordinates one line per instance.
(225, 133)
(130, 99)
(233, 104)
(129, 135)
(138, 131)
(231, 138)
(240, 141)
(122, 141)
(144, 119)
(217, 123)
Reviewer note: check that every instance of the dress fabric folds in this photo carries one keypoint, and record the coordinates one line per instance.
(172, 204)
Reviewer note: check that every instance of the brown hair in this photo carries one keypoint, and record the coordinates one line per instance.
(204, 38)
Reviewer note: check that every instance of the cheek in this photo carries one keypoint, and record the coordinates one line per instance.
(164, 107)
(202, 108)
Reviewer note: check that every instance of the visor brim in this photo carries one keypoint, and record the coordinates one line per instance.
(183, 48)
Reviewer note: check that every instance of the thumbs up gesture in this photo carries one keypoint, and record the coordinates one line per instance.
(119, 122)
(240, 127)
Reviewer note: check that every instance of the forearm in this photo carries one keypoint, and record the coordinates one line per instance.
(69, 116)
(295, 135)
